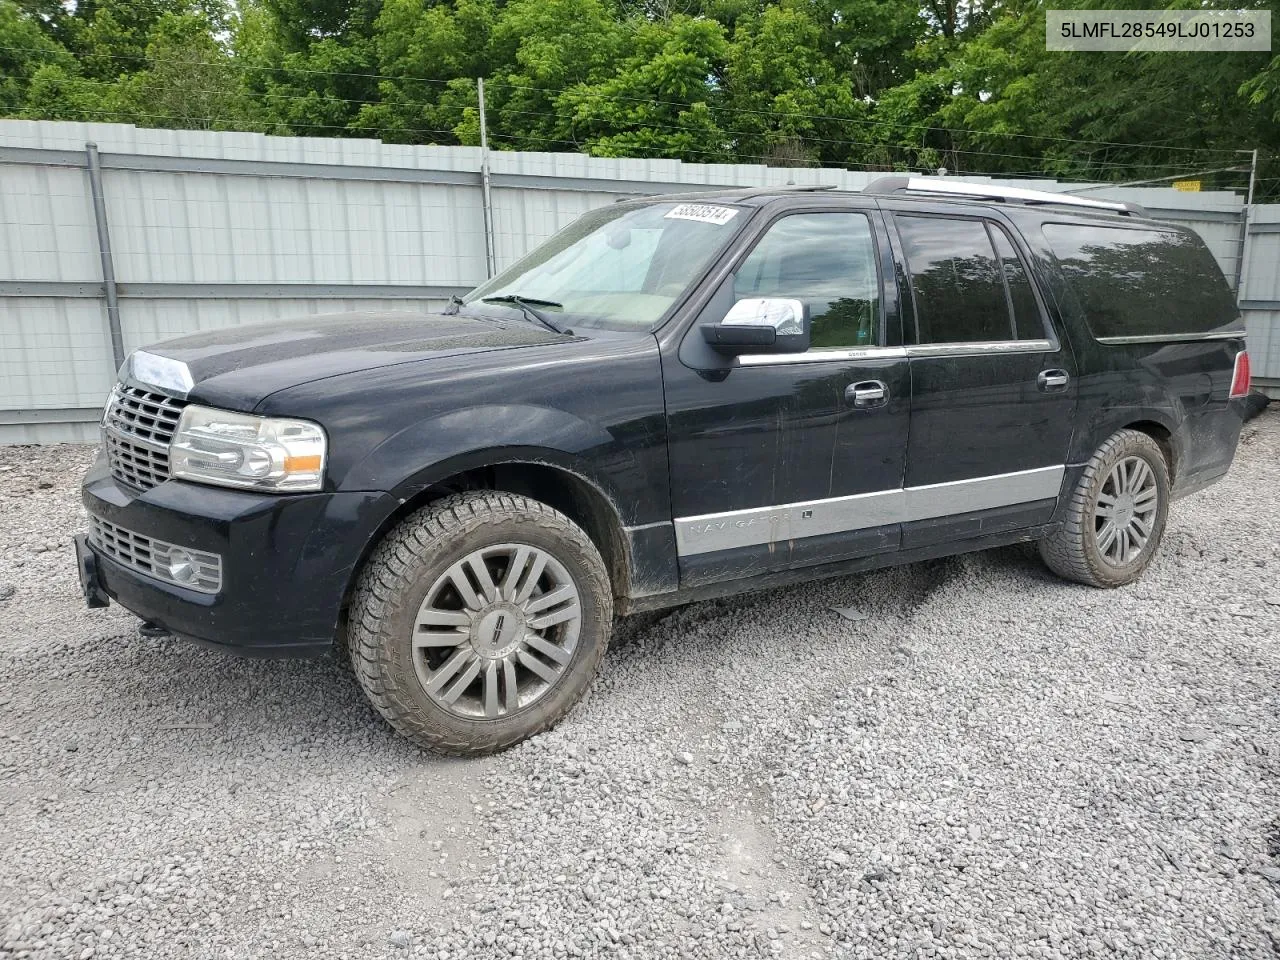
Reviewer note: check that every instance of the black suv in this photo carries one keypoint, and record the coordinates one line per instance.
(672, 399)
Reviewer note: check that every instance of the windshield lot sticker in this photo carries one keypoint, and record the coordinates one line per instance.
(702, 212)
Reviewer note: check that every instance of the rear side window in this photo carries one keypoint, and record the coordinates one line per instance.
(968, 283)
(1135, 283)
(1026, 310)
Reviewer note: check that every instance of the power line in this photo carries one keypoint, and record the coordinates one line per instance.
(911, 151)
(806, 164)
(865, 143)
(247, 122)
(649, 100)
(67, 81)
(907, 126)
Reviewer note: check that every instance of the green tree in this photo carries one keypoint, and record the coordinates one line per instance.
(190, 80)
(540, 48)
(25, 48)
(785, 101)
(429, 58)
(660, 100)
(999, 103)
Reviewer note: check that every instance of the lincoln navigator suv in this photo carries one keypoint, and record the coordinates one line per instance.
(675, 398)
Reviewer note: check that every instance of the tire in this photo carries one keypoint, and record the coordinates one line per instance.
(423, 614)
(1081, 548)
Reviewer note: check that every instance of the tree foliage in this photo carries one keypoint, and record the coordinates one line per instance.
(873, 84)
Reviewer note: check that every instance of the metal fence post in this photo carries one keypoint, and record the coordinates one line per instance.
(485, 199)
(1241, 264)
(104, 251)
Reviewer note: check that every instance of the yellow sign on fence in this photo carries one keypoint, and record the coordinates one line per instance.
(1187, 186)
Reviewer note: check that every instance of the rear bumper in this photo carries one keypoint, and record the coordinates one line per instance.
(286, 560)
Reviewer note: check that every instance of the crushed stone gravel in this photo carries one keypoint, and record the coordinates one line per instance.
(986, 762)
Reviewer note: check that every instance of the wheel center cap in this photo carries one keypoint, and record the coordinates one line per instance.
(1124, 509)
(498, 631)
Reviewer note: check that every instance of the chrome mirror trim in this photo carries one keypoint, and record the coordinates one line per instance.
(784, 315)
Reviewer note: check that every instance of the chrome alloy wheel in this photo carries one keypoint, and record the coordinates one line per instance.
(1126, 511)
(496, 631)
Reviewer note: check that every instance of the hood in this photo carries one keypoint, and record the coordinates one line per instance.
(237, 367)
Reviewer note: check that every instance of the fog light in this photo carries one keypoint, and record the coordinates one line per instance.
(182, 566)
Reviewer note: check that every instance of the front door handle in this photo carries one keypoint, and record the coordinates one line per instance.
(867, 393)
(1052, 381)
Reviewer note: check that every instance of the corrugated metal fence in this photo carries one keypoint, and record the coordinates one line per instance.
(215, 229)
(1260, 295)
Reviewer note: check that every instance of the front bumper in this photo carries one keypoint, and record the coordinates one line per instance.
(286, 560)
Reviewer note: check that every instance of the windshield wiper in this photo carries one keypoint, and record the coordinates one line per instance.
(526, 305)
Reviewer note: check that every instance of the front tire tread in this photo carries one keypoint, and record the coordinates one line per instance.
(393, 571)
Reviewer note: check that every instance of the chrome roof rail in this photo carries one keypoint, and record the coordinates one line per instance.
(940, 186)
(735, 193)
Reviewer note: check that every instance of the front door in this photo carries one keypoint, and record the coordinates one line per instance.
(777, 461)
(993, 387)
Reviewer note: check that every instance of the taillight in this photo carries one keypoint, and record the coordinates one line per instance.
(1240, 378)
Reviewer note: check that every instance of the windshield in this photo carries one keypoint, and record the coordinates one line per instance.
(620, 267)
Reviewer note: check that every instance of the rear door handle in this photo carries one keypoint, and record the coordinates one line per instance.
(867, 393)
(1053, 381)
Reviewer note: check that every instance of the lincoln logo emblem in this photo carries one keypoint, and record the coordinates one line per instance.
(497, 629)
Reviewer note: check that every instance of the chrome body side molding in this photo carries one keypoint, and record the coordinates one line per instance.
(757, 526)
(1174, 337)
(981, 493)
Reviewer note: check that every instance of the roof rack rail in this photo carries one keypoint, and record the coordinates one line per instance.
(744, 193)
(981, 191)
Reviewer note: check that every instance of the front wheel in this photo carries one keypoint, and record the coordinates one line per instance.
(1116, 516)
(480, 621)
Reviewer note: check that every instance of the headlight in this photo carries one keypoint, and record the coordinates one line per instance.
(240, 450)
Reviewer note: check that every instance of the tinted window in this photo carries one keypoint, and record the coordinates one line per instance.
(1142, 282)
(828, 260)
(955, 279)
(1026, 310)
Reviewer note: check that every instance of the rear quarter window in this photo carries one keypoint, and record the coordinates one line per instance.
(1142, 283)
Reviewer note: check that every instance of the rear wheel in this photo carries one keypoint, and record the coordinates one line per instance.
(480, 621)
(1116, 517)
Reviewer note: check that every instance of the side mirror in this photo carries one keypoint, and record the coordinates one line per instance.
(760, 325)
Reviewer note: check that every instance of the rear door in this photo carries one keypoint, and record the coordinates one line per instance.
(993, 387)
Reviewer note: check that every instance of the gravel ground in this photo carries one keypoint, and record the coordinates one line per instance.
(989, 763)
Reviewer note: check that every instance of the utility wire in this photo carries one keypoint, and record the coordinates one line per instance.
(647, 100)
(248, 122)
(627, 127)
(891, 123)
(573, 118)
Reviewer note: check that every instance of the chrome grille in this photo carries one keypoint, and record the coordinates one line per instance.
(182, 566)
(137, 429)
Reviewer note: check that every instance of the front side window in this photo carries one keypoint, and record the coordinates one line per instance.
(968, 283)
(620, 267)
(827, 260)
